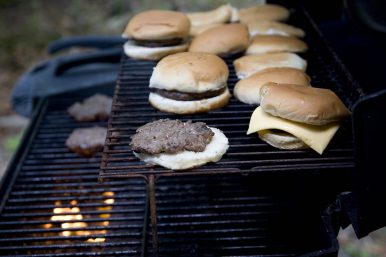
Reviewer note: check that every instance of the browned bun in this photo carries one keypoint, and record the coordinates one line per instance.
(248, 90)
(190, 73)
(274, 28)
(315, 106)
(222, 40)
(221, 14)
(261, 44)
(158, 25)
(270, 12)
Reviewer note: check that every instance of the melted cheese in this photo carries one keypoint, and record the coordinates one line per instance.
(316, 137)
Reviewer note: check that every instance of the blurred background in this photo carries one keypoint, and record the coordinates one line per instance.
(27, 27)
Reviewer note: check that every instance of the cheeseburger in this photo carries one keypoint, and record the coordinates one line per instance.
(187, 83)
(156, 33)
(295, 117)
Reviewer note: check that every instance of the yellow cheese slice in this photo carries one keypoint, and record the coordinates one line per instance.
(316, 137)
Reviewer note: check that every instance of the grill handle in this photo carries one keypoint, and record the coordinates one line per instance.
(99, 42)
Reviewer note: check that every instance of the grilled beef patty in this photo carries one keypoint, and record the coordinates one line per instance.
(171, 136)
(87, 141)
(159, 43)
(96, 107)
(181, 96)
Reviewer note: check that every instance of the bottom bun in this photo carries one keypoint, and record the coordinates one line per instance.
(151, 53)
(189, 159)
(189, 107)
(281, 139)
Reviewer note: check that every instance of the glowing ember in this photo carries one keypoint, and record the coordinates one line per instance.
(70, 214)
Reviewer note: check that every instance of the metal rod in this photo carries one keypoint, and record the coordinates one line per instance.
(153, 213)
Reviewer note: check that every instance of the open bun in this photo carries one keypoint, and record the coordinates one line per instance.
(222, 40)
(248, 90)
(315, 106)
(190, 72)
(281, 139)
(274, 28)
(270, 12)
(189, 159)
(222, 14)
(261, 44)
(189, 107)
(158, 25)
(151, 53)
(247, 65)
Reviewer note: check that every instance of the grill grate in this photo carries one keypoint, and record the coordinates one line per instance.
(235, 215)
(246, 153)
(57, 207)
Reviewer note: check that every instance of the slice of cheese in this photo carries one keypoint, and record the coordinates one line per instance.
(316, 137)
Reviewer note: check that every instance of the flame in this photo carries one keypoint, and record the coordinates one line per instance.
(73, 213)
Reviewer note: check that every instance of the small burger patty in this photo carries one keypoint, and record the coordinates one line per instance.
(171, 136)
(96, 107)
(181, 96)
(87, 141)
(159, 43)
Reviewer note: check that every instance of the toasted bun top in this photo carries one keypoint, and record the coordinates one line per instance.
(249, 64)
(315, 106)
(273, 28)
(248, 90)
(222, 14)
(270, 12)
(158, 25)
(275, 43)
(190, 73)
(222, 40)
(195, 30)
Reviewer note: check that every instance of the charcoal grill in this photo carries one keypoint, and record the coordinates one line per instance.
(257, 201)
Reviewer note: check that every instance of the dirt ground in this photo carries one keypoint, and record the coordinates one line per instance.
(28, 26)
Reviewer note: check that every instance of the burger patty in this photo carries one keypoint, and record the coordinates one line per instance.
(171, 136)
(181, 96)
(159, 43)
(96, 107)
(87, 141)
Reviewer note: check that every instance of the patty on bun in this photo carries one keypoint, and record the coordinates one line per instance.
(156, 33)
(223, 40)
(178, 145)
(187, 83)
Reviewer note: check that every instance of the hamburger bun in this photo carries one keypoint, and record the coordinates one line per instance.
(222, 14)
(190, 73)
(196, 30)
(281, 139)
(261, 44)
(248, 90)
(222, 40)
(265, 12)
(151, 53)
(189, 159)
(158, 25)
(274, 28)
(247, 65)
(314, 106)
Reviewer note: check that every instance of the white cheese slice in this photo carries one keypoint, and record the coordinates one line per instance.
(316, 137)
